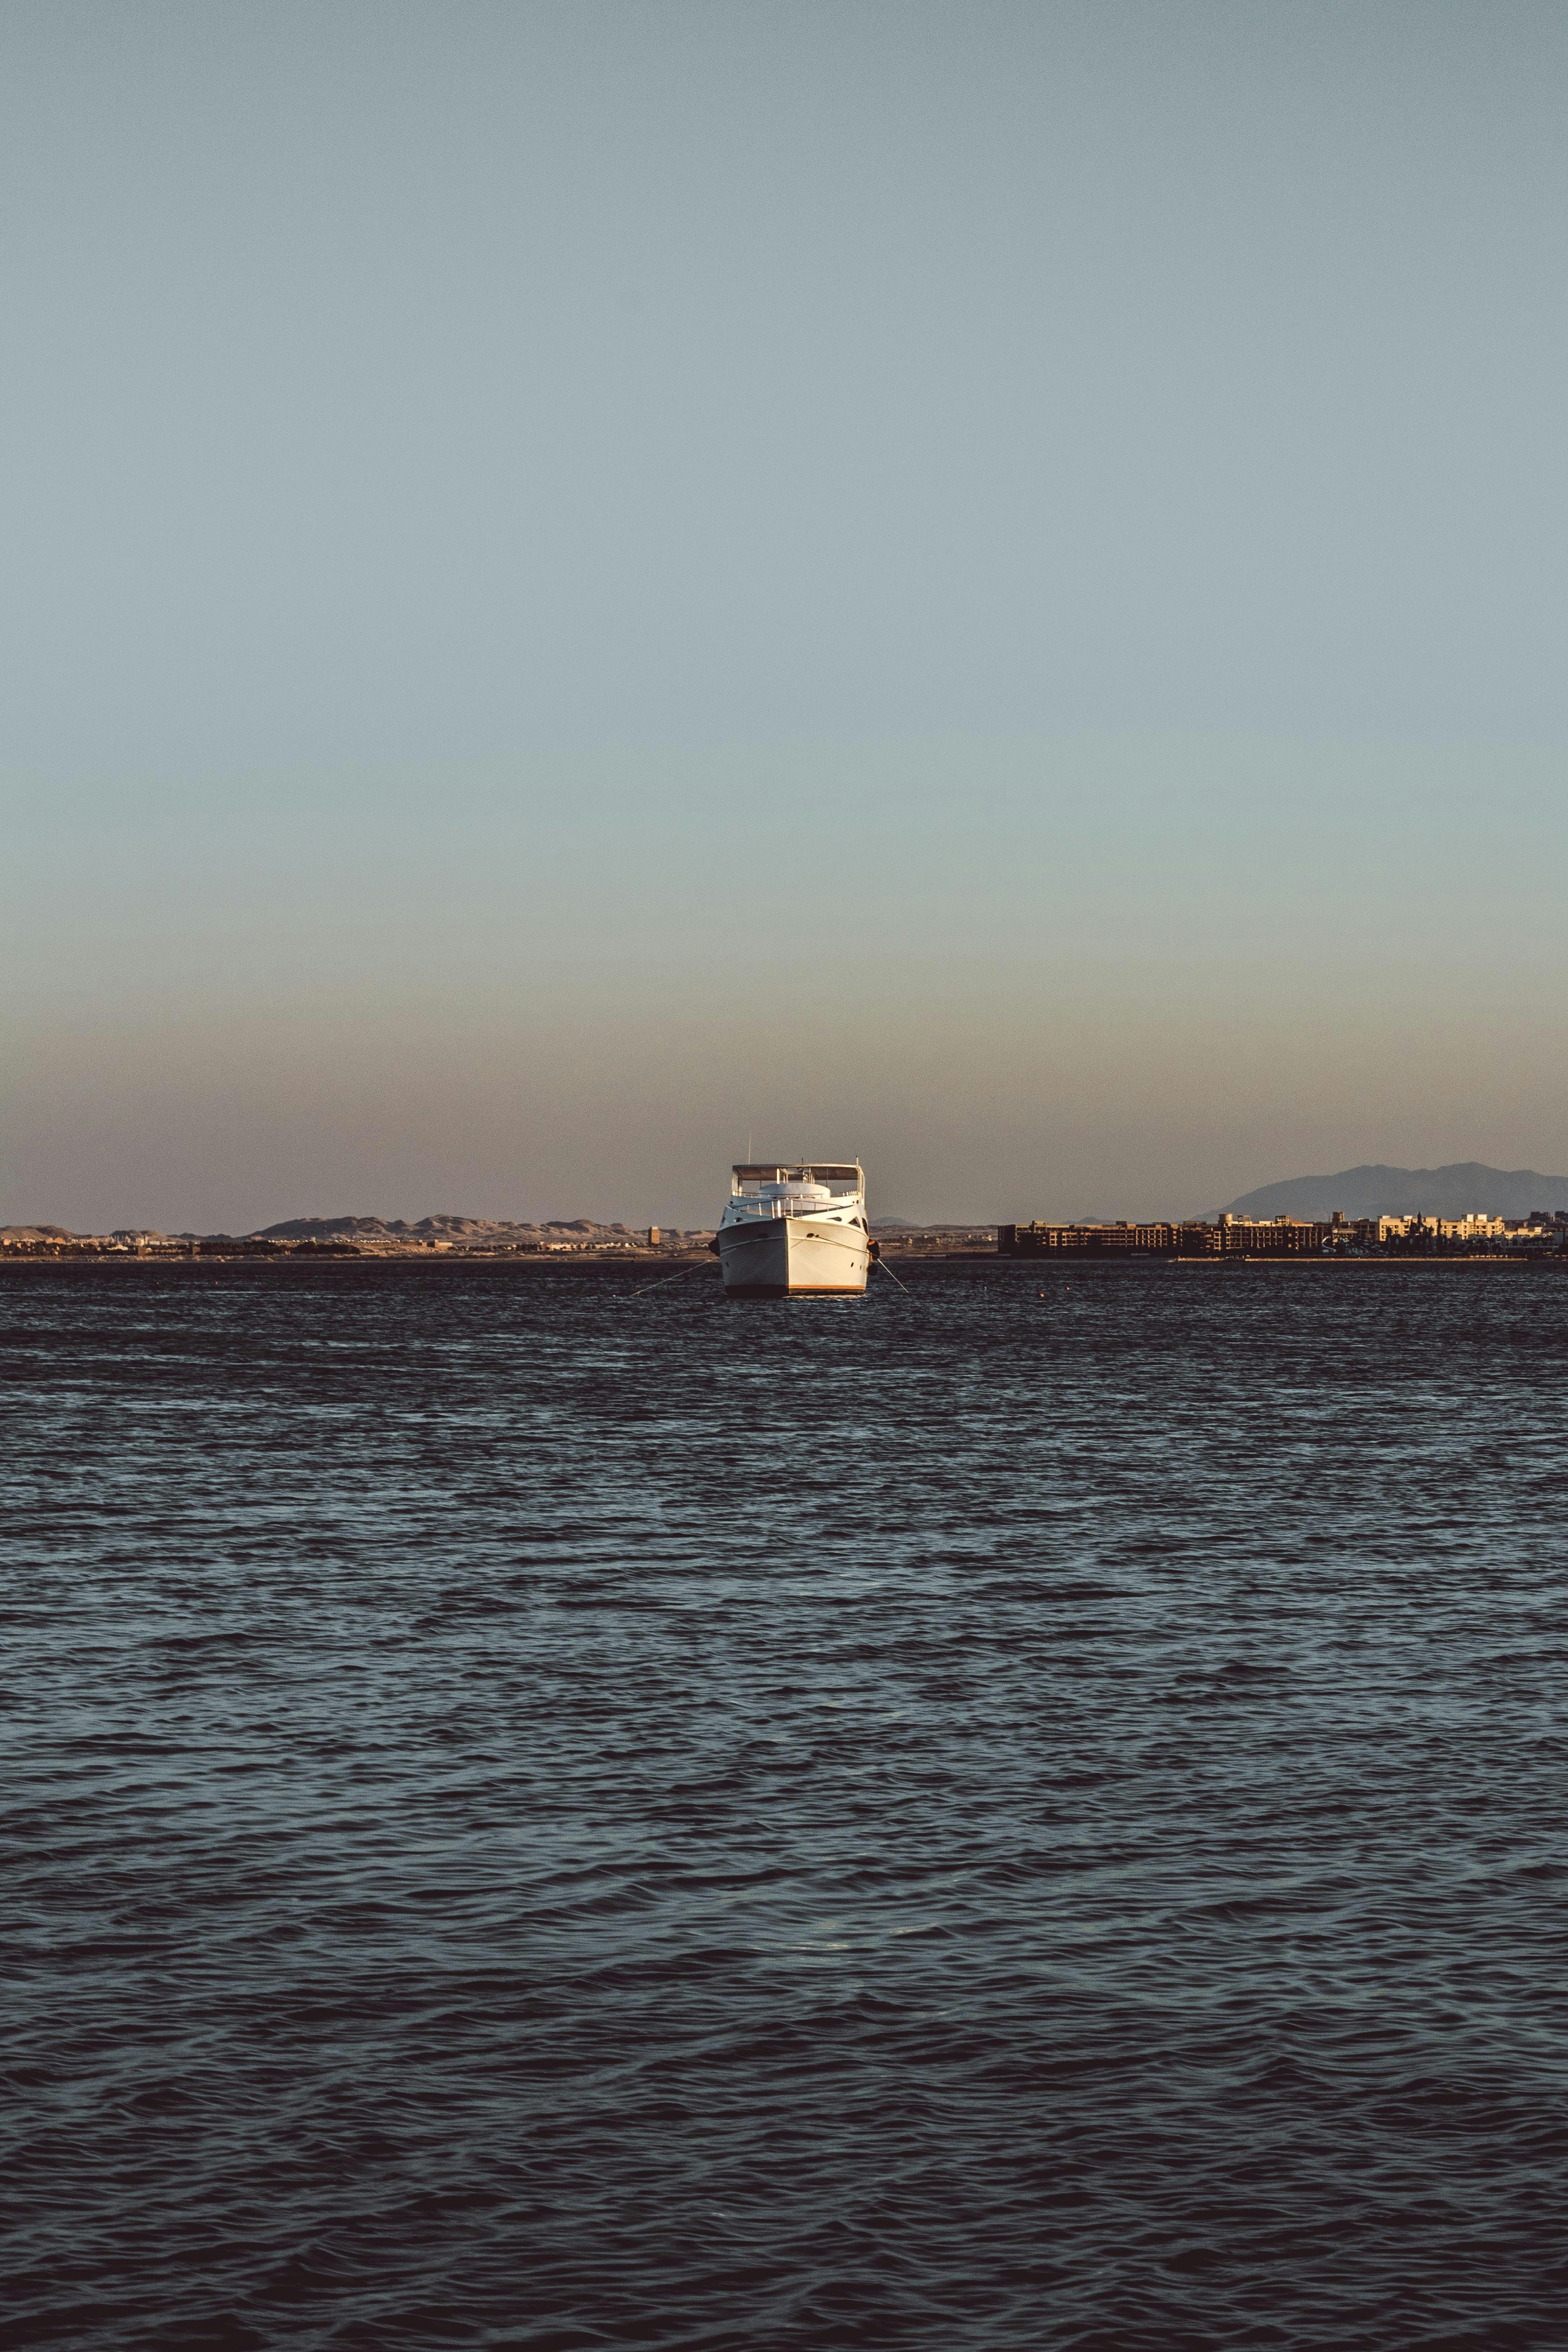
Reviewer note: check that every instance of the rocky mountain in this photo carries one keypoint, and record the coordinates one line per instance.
(1379, 1191)
(320, 1229)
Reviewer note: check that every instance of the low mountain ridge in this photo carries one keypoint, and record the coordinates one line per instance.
(444, 1227)
(1381, 1192)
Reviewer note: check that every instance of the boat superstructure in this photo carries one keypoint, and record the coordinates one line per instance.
(787, 1230)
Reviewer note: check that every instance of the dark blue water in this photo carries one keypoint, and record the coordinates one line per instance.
(955, 1820)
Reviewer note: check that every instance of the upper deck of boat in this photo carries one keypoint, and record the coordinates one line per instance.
(839, 1176)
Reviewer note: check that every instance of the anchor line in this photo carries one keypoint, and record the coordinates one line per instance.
(702, 1267)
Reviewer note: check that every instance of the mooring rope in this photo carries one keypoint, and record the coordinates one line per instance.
(700, 1267)
(887, 1270)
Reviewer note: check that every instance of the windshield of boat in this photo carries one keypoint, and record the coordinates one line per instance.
(835, 1181)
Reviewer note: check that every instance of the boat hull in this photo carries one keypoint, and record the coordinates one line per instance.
(787, 1257)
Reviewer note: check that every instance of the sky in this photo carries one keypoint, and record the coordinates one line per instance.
(588, 589)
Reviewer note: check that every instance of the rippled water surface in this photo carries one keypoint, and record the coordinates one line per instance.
(962, 1818)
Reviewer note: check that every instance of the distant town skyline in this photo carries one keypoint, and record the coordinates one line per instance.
(1462, 1197)
(980, 588)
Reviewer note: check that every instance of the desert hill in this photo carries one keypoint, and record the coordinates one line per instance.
(1380, 1191)
(444, 1227)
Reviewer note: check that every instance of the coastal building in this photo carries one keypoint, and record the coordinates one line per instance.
(1122, 1240)
(1477, 1224)
(1229, 1235)
(1268, 1236)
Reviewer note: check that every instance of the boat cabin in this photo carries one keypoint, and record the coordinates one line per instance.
(831, 1178)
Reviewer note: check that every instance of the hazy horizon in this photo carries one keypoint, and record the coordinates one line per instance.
(981, 588)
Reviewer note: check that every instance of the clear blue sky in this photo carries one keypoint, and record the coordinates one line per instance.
(980, 584)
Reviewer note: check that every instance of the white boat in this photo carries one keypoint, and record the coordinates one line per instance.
(788, 1230)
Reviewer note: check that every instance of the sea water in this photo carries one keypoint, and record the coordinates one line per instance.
(1022, 1811)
